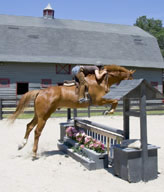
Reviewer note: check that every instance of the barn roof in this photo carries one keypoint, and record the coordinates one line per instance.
(132, 89)
(34, 39)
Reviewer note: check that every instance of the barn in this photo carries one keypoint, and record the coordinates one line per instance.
(37, 52)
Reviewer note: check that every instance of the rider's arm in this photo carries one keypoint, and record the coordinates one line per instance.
(99, 75)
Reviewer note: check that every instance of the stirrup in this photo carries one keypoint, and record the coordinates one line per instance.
(84, 100)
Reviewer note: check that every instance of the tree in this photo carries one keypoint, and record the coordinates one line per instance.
(153, 27)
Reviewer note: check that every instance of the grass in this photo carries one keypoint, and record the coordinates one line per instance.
(155, 112)
(58, 115)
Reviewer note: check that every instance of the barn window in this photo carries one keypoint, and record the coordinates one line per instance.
(138, 40)
(33, 36)
(13, 27)
(46, 83)
(63, 69)
(4, 82)
(154, 84)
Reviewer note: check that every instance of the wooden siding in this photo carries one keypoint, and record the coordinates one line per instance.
(34, 73)
(31, 73)
(151, 75)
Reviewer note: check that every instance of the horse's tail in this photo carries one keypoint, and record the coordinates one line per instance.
(23, 103)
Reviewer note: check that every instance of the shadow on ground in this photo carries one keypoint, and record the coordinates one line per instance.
(51, 153)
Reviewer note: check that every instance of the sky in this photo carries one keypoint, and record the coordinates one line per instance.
(106, 11)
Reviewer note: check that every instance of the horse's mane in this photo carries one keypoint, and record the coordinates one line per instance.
(110, 68)
(115, 68)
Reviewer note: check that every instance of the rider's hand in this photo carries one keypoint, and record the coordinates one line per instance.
(104, 71)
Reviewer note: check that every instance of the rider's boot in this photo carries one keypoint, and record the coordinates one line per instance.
(83, 87)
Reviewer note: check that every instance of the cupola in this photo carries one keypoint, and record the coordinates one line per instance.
(48, 12)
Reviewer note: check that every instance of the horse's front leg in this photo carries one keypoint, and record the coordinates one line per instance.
(114, 103)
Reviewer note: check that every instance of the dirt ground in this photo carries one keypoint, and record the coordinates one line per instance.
(54, 171)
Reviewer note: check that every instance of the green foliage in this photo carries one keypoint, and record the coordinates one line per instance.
(154, 27)
(160, 38)
(150, 25)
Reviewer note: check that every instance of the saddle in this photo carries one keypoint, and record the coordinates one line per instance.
(69, 83)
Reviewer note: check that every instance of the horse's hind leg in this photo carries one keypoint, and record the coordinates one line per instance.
(38, 131)
(29, 128)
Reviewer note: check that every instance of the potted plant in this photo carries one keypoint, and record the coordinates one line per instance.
(86, 147)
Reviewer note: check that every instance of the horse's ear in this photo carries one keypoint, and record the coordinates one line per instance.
(132, 71)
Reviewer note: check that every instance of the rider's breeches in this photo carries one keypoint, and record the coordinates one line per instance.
(83, 84)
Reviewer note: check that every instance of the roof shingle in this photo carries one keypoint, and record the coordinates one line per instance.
(32, 39)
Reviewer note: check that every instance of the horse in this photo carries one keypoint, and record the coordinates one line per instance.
(48, 100)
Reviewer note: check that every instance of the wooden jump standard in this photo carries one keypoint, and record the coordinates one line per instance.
(143, 164)
(129, 164)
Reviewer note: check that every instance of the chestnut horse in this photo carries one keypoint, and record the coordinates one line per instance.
(46, 101)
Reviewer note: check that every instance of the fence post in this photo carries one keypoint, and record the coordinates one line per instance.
(126, 108)
(143, 133)
(75, 113)
(89, 114)
(1, 117)
(68, 114)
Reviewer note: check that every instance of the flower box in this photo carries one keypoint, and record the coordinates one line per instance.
(89, 158)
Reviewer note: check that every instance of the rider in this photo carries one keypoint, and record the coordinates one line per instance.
(79, 72)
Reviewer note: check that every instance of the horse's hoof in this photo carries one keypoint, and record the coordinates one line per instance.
(34, 157)
(22, 144)
(108, 112)
(105, 113)
(20, 147)
(111, 112)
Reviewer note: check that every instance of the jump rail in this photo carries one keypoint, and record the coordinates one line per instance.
(107, 135)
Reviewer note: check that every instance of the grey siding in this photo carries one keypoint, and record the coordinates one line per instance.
(151, 75)
(31, 73)
(34, 73)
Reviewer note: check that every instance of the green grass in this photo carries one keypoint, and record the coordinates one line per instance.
(155, 112)
(57, 115)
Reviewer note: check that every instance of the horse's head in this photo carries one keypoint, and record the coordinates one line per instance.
(128, 75)
(116, 74)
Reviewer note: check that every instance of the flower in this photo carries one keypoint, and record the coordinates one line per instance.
(88, 139)
(74, 130)
(80, 136)
(85, 140)
(91, 146)
(95, 145)
(71, 132)
(82, 146)
(98, 146)
(102, 147)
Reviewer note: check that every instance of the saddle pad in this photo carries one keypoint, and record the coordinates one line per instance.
(69, 84)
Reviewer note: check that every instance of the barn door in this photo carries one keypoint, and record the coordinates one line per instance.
(22, 87)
